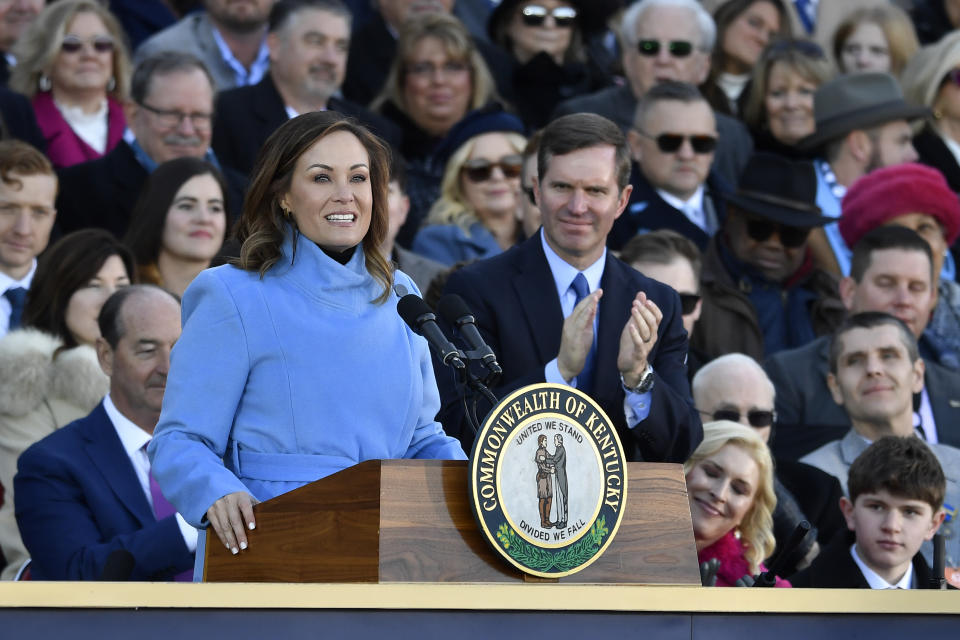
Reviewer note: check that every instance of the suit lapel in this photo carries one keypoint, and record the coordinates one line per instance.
(268, 104)
(852, 446)
(105, 450)
(535, 289)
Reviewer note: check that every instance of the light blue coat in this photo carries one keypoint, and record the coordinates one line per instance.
(280, 381)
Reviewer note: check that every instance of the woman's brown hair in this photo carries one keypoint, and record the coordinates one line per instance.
(263, 225)
(62, 270)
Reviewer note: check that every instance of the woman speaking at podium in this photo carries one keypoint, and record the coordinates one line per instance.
(293, 363)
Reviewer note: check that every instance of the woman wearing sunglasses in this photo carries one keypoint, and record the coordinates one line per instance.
(550, 64)
(744, 29)
(73, 64)
(476, 214)
(779, 104)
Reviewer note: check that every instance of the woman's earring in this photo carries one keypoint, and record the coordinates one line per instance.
(44, 82)
(736, 533)
(112, 84)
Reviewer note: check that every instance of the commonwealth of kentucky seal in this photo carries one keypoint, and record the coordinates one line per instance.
(548, 480)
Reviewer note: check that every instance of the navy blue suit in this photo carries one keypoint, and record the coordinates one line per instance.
(78, 500)
(514, 300)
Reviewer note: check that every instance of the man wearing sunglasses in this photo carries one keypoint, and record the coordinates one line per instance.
(863, 123)
(666, 41)
(891, 272)
(760, 293)
(673, 142)
(734, 387)
(560, 308)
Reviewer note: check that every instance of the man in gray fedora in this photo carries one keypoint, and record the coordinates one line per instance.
(863, 123)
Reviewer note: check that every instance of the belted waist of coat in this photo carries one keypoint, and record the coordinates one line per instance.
(285, 467)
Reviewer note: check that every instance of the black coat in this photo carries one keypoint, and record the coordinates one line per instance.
(834, 568)
(246, 116)
(647, 211)
(102, 193)
(514, 300)
(19, 120)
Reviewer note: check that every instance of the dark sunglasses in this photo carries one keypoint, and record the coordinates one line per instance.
(671, 142)
(73, 44)
(677, 48)
(480, 170)
(790, 237)
(534, 15)
(756, 417)
(688, 302)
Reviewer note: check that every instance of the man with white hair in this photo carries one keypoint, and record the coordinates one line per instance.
(734, 387)
(661, 41)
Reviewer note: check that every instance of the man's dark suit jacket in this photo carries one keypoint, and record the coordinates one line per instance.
(19, 120)
(514, 300)
(78, 500)
(807, 416)
(246, 116)
(834, 568)
(647, 211)
(102, 193)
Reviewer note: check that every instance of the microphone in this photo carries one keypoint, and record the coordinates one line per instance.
(418, 316)
(118, 567)
(454, 310)
(777, 566)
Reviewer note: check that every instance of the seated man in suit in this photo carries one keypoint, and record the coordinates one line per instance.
(559, 308)
(169, 115)
(673, 139)
(308, 42)
(895, 505)
(734, 387)
(891, 271)
(874, 371)
(84, 494)
(664, 41)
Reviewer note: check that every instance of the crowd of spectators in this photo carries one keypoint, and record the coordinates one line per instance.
(790, 169)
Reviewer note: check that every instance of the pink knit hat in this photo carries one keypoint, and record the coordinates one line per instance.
(895, 191)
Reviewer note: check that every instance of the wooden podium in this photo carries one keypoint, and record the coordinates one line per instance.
(410, 521)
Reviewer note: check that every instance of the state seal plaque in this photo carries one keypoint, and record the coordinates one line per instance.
(548, 480)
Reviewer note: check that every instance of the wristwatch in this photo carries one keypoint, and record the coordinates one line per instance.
(645, 384)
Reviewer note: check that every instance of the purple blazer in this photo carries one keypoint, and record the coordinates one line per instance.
(66, 148)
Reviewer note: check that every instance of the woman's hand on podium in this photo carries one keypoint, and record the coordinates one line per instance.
(230, 517)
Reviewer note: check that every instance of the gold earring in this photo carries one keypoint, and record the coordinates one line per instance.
(937, 114)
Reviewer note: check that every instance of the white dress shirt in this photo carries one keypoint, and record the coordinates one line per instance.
(874, 580)
(134, 441)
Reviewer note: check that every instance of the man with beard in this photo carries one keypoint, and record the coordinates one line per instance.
(169, 115)
(229, 37)
(308, 42)
(863, 123)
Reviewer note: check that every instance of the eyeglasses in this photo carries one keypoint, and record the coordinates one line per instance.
(756, 417)
(534, 15)
(100, 44)
(790, 237)
(170, 119)
(677, 48)
(428, 69)
(688, 302)
(481, 169)
(671, 142)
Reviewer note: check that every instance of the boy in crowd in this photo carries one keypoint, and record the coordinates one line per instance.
(896, 491)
